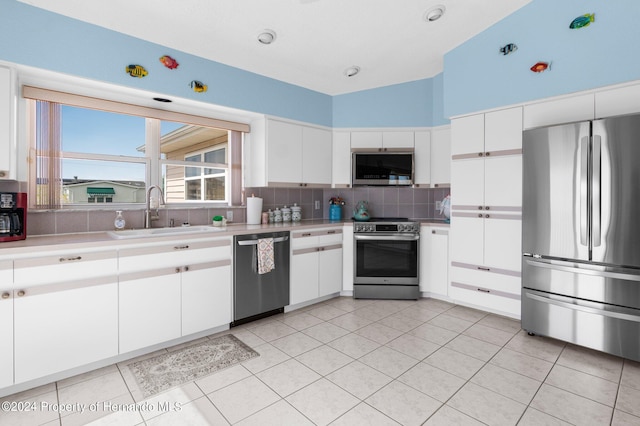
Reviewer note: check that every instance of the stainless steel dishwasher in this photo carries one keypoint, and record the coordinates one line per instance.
(258, 295)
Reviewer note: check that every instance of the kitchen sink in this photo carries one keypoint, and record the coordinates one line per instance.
(162, 232)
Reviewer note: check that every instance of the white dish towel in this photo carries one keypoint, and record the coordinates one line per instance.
(266, 260)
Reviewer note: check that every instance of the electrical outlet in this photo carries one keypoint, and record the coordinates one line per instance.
(317, 206)
(438, 205)
(230, 215)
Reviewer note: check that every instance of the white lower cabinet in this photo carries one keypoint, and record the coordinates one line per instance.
(316, 264)
(149, 308)
(173, 290)
(434, 263)
(66, 324)
(206, 296)
(6, 324)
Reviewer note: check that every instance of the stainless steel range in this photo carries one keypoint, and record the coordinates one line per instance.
(386, 259)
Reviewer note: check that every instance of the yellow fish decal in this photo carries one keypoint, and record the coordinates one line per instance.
(136, 71)
(198, 87)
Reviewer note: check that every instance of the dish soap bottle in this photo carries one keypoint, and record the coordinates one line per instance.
(119, 223)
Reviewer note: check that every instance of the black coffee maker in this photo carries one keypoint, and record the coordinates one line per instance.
(13, 216)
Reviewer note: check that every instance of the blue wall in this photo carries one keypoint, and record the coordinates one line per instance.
(38, 38)
(478, 77)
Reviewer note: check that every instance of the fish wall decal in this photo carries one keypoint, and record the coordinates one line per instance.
(136, 71)
(508, 48)
(582, 21)
(198, 87)
(541, 66)
(169, 62)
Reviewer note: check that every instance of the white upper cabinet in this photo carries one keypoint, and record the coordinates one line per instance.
(316, 156)
(381, 140)
(503, 130)
(422, 158)
(620, 101)
(566, 110)
(341, 164)
(467, 134)
(402, 139)
(297, 155)
(366, 140)
(7, 128)
(441, 157)
(284, 152)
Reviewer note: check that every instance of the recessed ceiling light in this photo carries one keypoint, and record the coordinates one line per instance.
(351, 71)
(434, 13)
(267, 37)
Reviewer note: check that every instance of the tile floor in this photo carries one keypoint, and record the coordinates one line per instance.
(362, 362)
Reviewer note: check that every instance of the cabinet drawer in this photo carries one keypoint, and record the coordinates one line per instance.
(69, 266)
(490, 300)
(315, 238)
(498, 280)
(171, 255)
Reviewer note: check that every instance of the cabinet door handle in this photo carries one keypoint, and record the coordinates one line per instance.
(479, 207)
(331, 232)
(480, 154)
(483, 268)
(484, 290)
(479, 214)
(486, 154)
(306, 234)
(433, 232)
(70, 259)
(178, 270)
(21, 293)
(436, 185)
(181, 247)
(487, 208)
(5, 295)
(487, 216)
(186, 268)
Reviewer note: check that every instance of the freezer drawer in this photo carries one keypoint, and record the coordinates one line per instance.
(606, 328)
(606, 284)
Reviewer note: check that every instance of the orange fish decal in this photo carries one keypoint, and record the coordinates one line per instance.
(541, 66)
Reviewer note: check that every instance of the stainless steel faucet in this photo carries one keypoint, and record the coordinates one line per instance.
(148, 218)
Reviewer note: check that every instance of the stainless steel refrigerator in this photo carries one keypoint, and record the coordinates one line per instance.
(581, 234)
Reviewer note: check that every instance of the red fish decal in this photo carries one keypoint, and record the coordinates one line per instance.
(169, 62)
(541, 66)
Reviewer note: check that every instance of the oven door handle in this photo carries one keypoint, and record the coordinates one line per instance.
(395, 237)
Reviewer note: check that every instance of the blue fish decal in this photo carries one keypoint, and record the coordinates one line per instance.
(582, 21)
(508, 48)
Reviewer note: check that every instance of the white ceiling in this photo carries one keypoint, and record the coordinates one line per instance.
(316, 39)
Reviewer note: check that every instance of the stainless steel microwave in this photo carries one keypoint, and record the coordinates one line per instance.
(383, 167)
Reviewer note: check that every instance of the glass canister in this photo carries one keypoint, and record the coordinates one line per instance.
(277, 216)
(296, 213)
(286, 214)
(271, 216)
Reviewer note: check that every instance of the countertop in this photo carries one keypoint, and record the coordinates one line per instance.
(41, 244)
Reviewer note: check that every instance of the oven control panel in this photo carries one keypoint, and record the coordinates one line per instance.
(373, 227)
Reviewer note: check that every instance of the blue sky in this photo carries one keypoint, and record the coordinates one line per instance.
(99, 132)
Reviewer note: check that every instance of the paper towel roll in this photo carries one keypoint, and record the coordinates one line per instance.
(254, 210)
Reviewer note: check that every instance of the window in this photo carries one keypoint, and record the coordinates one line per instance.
(89, 151)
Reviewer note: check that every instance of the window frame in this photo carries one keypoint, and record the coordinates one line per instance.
(150, 161)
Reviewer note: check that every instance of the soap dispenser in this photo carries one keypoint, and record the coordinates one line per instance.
(119, 223)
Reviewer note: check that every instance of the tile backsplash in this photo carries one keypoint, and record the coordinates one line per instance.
(419, 203)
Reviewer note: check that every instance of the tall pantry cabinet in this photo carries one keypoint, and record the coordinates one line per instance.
(486, 204)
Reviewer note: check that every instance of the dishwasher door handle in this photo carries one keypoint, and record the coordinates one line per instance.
(255, 242)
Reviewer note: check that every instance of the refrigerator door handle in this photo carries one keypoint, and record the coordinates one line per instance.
(584, 196)
(579, 305)
(577, 268)
(595, 191)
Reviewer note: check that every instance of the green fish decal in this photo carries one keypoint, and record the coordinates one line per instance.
(582, 21)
